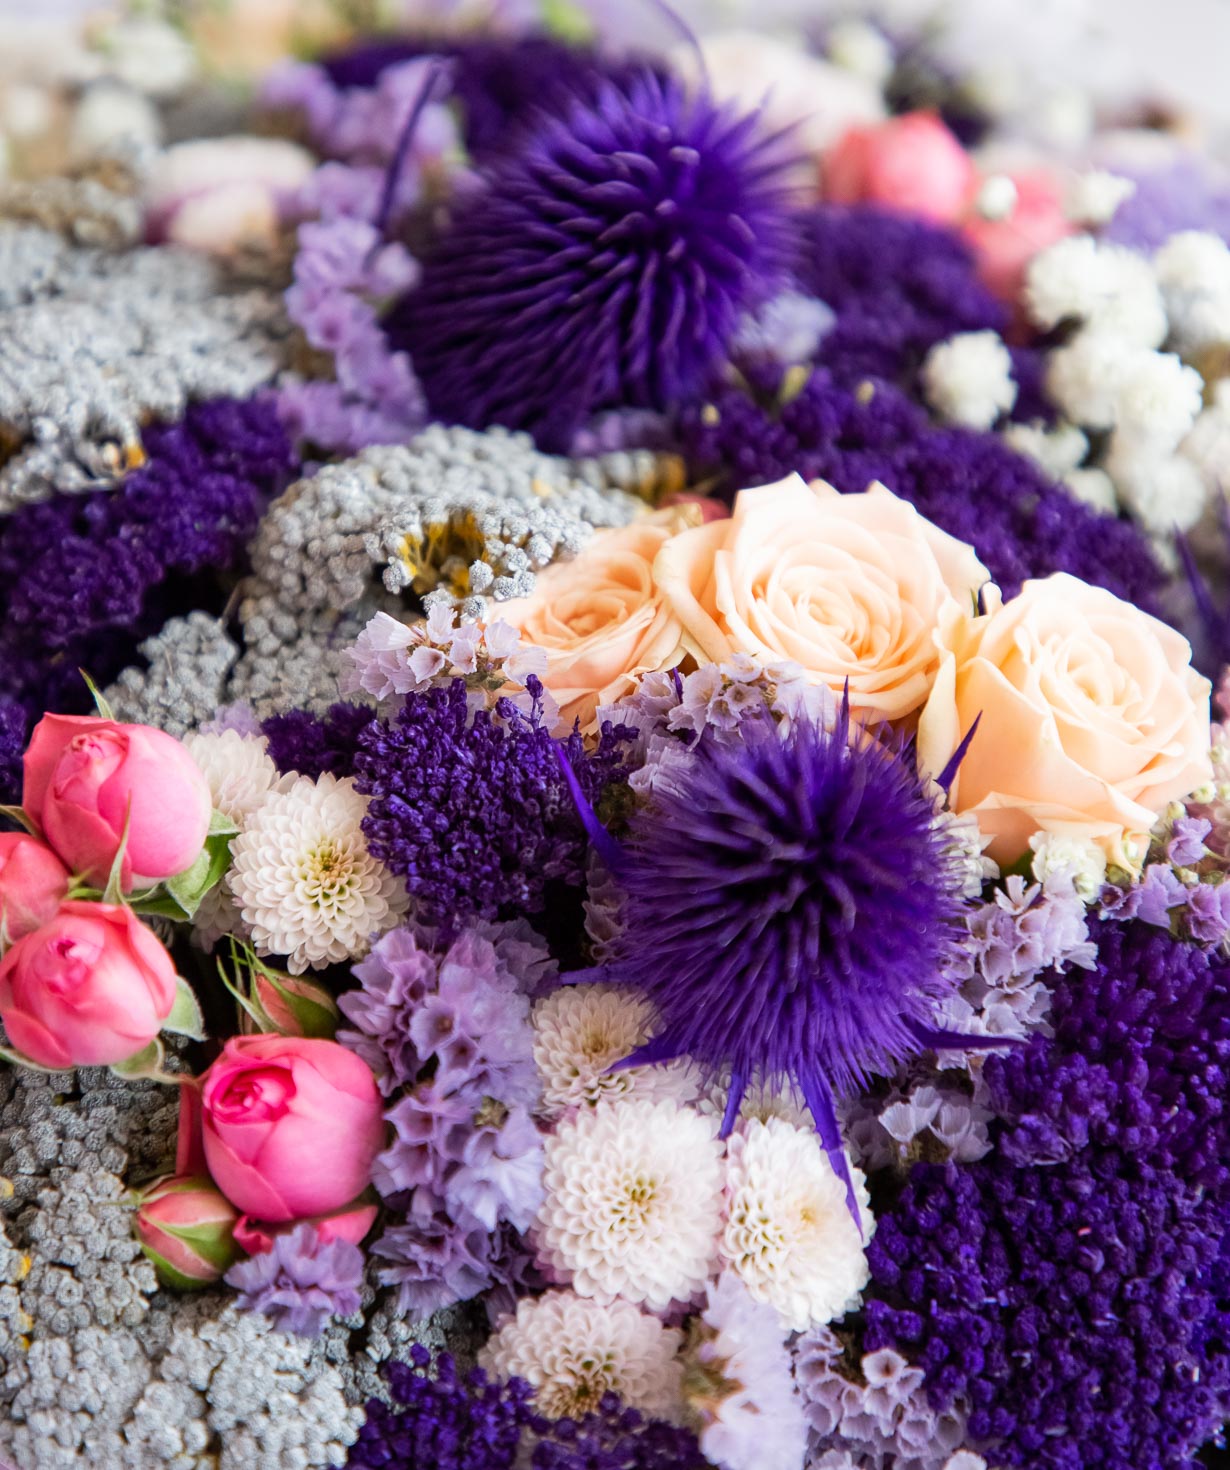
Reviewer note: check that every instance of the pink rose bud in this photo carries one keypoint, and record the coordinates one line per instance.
(291, 1125)
(1004, 247)
(33, 881)
(186, 1226)
(86, 777)
(91, 987)
(352, 1224)
(293, 1004)
(912, 163)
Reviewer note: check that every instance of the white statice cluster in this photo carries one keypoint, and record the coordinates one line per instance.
(968, 379)
(303, 880)
(573, 1350)
(391, 659)
(926, 1121)
(1077, 858)
(1141, 336)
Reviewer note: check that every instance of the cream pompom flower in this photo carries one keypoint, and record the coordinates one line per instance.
(789, 1233)
(633, 1202)
(573, 1350)
(305, 883)
(580, 1031)
(239, 769)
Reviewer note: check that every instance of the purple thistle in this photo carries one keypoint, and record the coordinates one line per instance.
(301, 1281)
(790, 909)
(608, 262)
(471, 809)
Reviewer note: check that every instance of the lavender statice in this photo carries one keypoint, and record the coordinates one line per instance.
(1186, 194)
(471, 808)
(639, 227)
(311, 744)
(971, 484)
(440, 1420)
(85, 577)
(301, 1281)
(789, 909)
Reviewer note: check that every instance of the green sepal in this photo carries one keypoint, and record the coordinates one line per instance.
(146, 1063)
(567, 21)
(189, 888)
(214, 1243)
(220, 825)
(114, 891)
(17, 814)
(11, 1054)
(170, 1277)
(319, 1022)
(105, 712)
(262, 1019)
(185, 1018)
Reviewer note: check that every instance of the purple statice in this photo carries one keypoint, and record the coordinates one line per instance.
(1208, 912)
(970, 484)
(310, 744)
(636, 229)
(1186, 845)
(456, 1007)
(1198, 910)
(897, 285)
(790, 909)
(434, 1261)
(471, 808)
(436, 1419)
(301, 1281)
(1070, 1287)
(1186, 194)
(85, 577)
(238, 717)
(13, 731)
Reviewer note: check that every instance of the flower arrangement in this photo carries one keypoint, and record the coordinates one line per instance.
(615, 855)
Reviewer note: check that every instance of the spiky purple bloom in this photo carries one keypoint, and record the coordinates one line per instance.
(790, 909)
(301, 1281)
(607, 263)
(471, 809)
(439, 1420)
(85, 577)
(311, 744)
(972, 485)
(1071, 1285)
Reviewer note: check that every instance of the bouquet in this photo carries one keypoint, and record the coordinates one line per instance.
(614, 853)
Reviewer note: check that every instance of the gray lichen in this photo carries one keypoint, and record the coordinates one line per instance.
(97, 1365)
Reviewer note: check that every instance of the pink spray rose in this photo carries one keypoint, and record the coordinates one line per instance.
(291, 1125)
(912, 163)
(1004, 247)
(186, 1227)
(89, 988)
(85, 776)
(32, 883)
(352, 1224)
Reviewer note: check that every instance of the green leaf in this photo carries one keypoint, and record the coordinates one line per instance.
(105, 711)
(160, 905)
(220, 825)
(185, 1018)
(252, 1006)
(567, 21)
(114, 891)
(190, 887)
(17, 814)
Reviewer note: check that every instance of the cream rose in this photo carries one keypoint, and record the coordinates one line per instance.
(1092, 718)
(600, 618)
(850, 587)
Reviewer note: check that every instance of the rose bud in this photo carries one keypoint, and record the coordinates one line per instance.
(290, 1125)
(912, 163)
(33, 881)
(352, 1224)
(293, 1005)
(90, 988)
(186, 1226)
(85, 778)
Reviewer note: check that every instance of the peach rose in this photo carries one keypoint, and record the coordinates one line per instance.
(1092, 718)
(850, 587)
(600, 618)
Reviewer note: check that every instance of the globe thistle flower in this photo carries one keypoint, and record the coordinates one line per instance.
(608, 262)
(574, 1351)
(738, 1384)
(632, 1207)
(789, 908)
(580, 1033)
(788, 1233)
(305, 884)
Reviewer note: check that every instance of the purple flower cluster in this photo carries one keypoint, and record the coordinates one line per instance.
(970, 484)
(85, 577)
(471, 809)
(441, 1420)
(444, 1025)
(301, 1282)
(313, 744)
(897, 284)
(607, 262)
(1185, 195)
(1071, 1286)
